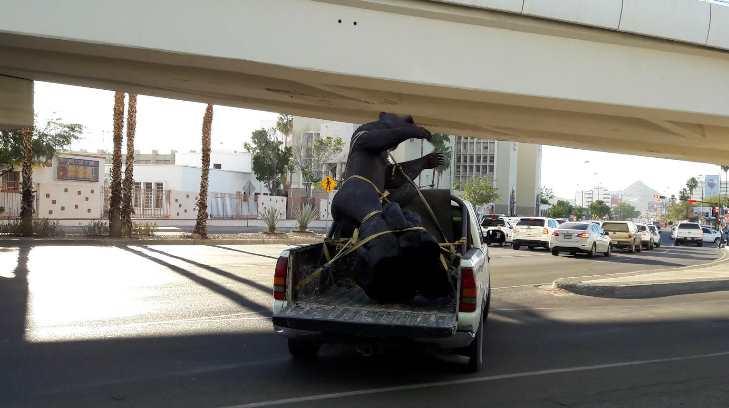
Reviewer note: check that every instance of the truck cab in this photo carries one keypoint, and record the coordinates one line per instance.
(312, 310)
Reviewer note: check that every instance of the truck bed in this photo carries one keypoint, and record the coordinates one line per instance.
(348, 311)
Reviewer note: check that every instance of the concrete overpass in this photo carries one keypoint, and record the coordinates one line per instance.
(633, 76)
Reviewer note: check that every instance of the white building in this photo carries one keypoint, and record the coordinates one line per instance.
(69, 186)
(583, 198)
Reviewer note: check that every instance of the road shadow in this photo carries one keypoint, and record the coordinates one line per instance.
(213, 286)
(244, 252)
(255, 285)
(224, 369)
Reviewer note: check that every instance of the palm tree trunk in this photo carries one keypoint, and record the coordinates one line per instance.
(201, 226)
(128, 184)
(116, 165)
(26, 209)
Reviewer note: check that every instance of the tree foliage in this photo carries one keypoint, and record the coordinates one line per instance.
(677, 211)
(322, 150)
(480, 191)
(271, 160)
(691, 185)
(46, 141)
(624, 211)
(285, 123)
(683, 194)
(561, 209)
(580, 213)
(546, 195)
(599, 210)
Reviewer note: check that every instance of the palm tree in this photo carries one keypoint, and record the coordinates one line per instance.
(691, 185)
(26, 208)
(116, 165)
(201, 226)
(725, 169)
(127, 209)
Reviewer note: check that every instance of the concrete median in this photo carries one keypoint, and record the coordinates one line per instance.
(710, 277)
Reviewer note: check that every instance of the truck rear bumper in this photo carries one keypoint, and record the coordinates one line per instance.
(458, 340)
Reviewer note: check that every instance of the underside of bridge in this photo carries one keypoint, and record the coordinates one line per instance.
(466, 71)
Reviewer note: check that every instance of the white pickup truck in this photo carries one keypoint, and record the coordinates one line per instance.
(688, 232)
(335, 310)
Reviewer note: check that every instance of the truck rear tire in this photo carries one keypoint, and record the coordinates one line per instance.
(515, 245)
(475, 350)
(303, 349)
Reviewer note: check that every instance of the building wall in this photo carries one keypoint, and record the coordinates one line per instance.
(505, 174)
(529, 163)
(68, 198)
(230, 161)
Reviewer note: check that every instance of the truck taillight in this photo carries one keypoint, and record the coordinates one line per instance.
(469, 291)
(545, 231)
(556, 233)
(630, 235)
(279, 278)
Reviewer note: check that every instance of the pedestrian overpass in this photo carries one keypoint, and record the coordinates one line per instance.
(632, 76)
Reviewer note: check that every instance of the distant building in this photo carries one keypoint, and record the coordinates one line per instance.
(584, 198)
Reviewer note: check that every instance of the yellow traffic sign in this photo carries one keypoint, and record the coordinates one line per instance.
(328, 184)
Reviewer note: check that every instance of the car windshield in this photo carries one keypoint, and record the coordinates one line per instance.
(493, 222)
(615, 226)
(574, 226)
(531, 222)
(653, 229)
(688, 225)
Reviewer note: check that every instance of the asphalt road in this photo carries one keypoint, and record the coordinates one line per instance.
(189, 326)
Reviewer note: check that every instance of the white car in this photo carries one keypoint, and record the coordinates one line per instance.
(646, 238)
(496, 230)
(580, 237)
(533, 232)
(711, 236)
(689, 232)
(656, 235)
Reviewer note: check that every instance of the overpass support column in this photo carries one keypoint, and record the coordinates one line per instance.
(16, 102)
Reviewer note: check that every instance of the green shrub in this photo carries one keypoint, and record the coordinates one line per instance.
(305, 216)
(96, 228)
(146, 229)
(270, 216)
(45, 228)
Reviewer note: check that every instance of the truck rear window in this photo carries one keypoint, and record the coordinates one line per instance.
(615, 227)
(641, 227)
(688, 226)
(490, 222)
(531, 222)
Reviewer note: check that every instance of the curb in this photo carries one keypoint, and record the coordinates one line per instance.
(642, 290)
(582, 286)
(121, 242)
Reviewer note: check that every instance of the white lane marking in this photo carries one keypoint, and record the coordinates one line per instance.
(383, 390)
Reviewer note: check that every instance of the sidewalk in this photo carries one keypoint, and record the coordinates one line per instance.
(291, 238)
(710, 277)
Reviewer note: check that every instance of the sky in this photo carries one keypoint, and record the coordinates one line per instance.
(167, 124)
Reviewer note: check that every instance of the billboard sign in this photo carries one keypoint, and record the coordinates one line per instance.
(77, 169)
(711, 185)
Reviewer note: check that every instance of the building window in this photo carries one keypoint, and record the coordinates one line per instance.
(88, 210)
(86, 199)
(217, 166)
(65, 190)
(48, 195)
(92, 191)
(75, 206)
(50, 212)
(137, 194)
(63, 208)
(11, 181)
(53, 201)
(158, 194)
(78, 192)
(147, 195)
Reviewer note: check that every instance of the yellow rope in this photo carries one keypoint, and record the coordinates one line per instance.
(383, 195)
(346, 250)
